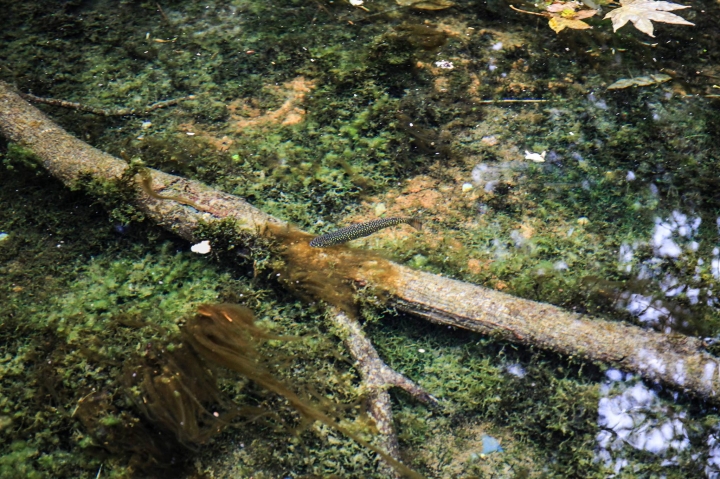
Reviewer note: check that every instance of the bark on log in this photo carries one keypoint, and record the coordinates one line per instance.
(675, 360)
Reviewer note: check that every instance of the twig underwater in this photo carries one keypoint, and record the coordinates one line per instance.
(106, 111)
(512, 100)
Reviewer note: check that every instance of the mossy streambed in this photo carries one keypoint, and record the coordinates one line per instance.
(324, 114)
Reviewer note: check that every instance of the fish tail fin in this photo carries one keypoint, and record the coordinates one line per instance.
(415, 223)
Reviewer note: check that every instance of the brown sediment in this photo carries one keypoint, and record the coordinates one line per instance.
(289, 113)
(245, 113)
(331, 274)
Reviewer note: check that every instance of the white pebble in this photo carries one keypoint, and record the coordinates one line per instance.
(202, 247)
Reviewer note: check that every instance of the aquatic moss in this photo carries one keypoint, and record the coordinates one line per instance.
(15, 155)
(350, 150)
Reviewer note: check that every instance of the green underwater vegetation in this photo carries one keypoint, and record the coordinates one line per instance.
(323, 114)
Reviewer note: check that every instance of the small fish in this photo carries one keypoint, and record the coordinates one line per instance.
(359, 230)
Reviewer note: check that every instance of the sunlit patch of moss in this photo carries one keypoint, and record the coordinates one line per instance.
(166, 283)
(18, 462)
(17, 155)
(62, 338)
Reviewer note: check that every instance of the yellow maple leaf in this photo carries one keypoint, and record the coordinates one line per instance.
(569, 18)
(641, 12)
(564, 15)
(560, 23)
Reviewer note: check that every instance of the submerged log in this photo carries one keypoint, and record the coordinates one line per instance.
(675, 360)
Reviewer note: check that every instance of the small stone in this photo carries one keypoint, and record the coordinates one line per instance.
(380, 209)
(490, 445)
(489, 140)
(536, 157)
(202, 247)
(582, 221)
(466, 187)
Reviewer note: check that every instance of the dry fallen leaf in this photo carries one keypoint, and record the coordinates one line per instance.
(563, 15)
(640, 81)
(641, 12)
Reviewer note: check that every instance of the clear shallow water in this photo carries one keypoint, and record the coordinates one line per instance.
(324, 114)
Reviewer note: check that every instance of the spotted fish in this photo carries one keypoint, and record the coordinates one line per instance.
(359, 230)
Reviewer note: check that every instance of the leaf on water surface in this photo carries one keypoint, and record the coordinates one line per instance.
(426, 4)
(641, 12)
(560, 6)
(640, 81)
(564, 15)
(574, 21)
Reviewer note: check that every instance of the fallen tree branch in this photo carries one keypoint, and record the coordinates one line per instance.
(675, 360)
